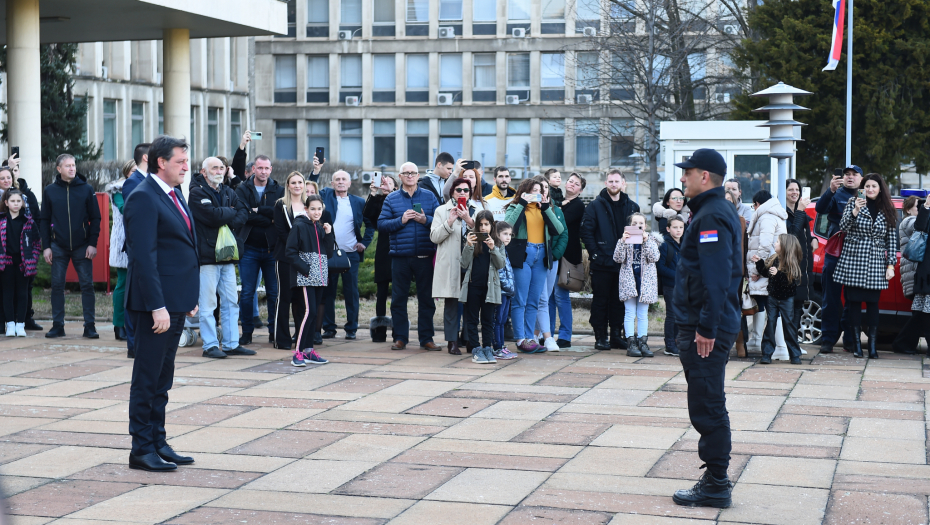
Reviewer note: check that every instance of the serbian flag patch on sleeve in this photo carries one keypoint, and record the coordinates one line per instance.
(709, 236)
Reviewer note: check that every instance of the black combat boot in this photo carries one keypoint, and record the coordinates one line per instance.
(600, 340)
(633, 347)
(616, 339)
(707, 492)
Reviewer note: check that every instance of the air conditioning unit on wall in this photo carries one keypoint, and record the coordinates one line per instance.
(722, 98)
(352, 101)
(585, 99)
(444, 99)
(446, 32)
(512, 99)
(345, 35)
(731, 29)
(518, 32)
(589, 31)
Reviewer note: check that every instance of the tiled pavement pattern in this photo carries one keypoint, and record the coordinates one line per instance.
(413, 437)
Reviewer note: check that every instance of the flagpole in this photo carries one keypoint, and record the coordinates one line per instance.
(849, 73)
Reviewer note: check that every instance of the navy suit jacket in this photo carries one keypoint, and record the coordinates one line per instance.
(131, 183)
(358, 204)
(164, 268)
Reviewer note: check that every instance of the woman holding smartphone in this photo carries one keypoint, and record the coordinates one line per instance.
(379, 324)
(799, 225)
(451, 223)
(868, 258)
(920, 307)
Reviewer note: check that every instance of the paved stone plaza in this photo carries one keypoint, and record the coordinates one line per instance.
(414, 437)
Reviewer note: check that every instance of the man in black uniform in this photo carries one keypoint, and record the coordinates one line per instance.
(707, 308)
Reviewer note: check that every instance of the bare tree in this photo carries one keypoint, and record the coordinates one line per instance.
(652, 66)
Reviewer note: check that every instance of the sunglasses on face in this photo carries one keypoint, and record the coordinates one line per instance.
(462, 190)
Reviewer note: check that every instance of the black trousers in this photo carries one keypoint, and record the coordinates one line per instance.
(15, 291)
(282, 326)
(908, 339)
(307, 302)
(854, 311)
(707, 404)
(403, 271)
(152, 377)
(384, 291)
(478, 309)
(606, 306)
(783, 308)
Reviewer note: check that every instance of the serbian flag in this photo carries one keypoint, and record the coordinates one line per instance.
(836, 44)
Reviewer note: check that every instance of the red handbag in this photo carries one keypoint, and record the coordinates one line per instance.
(835, 244)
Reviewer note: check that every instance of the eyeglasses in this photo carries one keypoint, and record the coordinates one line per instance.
(462, 190)
(676, 198)
(409, 173)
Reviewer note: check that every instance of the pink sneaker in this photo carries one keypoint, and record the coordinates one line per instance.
(528, 346)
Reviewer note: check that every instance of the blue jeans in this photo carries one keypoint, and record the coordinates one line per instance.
(349, 294)
(529, 282)
(404, 270)
(633, 310)
(834, 313)
(252, 260)
(218, 278)
(255, 301)
(546, 308)
(85, 271)
(563, 303)
(503, 311)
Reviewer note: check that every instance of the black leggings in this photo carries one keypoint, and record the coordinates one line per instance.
(476, 309)
(384, 291)
(307, 302)
(855, 313)
(15, 291)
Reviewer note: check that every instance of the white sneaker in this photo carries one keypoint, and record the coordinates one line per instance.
(20, 329)
(781, 354)
(11, 329)
(551, 345)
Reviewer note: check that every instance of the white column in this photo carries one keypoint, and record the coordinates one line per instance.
(177, 86)
(24, 87)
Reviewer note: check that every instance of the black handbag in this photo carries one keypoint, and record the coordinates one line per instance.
(516, 250)
(339, 261)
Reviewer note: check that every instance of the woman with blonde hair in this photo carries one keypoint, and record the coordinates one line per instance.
(289, 207)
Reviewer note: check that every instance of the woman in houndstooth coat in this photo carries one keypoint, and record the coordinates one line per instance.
(869, 253)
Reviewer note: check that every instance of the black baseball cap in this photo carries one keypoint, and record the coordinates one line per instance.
(706, 159)
(855, 168)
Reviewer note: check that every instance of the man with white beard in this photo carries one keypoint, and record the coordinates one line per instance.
(214, 205)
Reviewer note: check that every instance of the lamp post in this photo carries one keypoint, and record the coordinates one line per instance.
(781, 125)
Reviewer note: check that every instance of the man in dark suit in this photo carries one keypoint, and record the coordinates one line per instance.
(163, 284)
(141, 157)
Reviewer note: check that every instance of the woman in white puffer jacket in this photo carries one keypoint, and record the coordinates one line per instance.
(768, 222)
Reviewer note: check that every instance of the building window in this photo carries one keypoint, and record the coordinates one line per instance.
(552, 142)
(318, 79)
(79, 101)
(285, 139)
(418, 11)
(553, 9)
(351, 71)
(417, 78)
(213, 131)
(485, 74)
(385, 133)
(385, 80)
(586, 143)
(161, 119)
(418, 143)
(518, 142)
(350, 147)
(621, 79)
(109, 130)
(235, 126)
(518, 70)
(285, 78)
(484, 10)
(484, 142)
(698, 65)
(586, 71)
(317, 136)
(384, 11)
(350, 13)
(291, 19)
(450, 9)
(518, 9)
(450, 71)
(552, 70)
(317, 18)
(621, 140)
(450, 137)
(587, 10)
(138, 122)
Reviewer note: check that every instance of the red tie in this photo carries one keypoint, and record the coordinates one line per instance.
(174, 197)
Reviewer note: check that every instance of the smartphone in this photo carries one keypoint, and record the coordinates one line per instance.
(806, 192)
(532, 197)
(417, 208)
(256, 135)
(861, 194)
(463, 202)
(838, 172)
(14, 151)
(320, 157)
(481, 237)
(636, 235)
(468, 165)
(375, 180)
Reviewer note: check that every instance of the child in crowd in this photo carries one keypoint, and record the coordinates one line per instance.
(19, 239)
(784, 271)
(481, 289)
(669, 253)
(639, 283)
(309, 244)
(504, 232)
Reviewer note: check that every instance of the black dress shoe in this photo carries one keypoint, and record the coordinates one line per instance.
(130, 354)
(350, 335)
(329, 334)
(239, 350)
(32, 326)
(271, 337)
(257, 322)
(56, 331)
(317, 339)
(151, 462)
(826, 348)
(118, 333)
(90, 332)
(214, 352)
(168, 454)
(563, 343)
(245, 339)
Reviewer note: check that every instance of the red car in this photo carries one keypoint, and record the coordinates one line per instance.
(894, 308)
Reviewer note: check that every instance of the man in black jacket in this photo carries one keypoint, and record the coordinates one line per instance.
(604, 220)
(70, 225)
(257, 196)
(213, 205)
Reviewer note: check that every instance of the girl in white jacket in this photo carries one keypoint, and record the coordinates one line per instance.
(768, 222)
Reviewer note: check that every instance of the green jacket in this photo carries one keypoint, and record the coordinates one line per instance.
(560, 243)
(552, 219)
(494, 280)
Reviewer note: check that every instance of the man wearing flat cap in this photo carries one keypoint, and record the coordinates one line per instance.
(706, 305)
